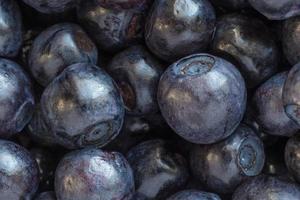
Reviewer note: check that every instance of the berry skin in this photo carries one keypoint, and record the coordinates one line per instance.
(202, 97)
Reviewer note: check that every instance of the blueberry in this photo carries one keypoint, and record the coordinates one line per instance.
(177, 28)
(58, 47)
(267, 188)
(19, 172)
(51, 6)
(291, 39)
(82, 107)
(231, 4)
(277, 9)
(47, 162)
(94, 174)
(16, 98)
(256, 54)
(223, 166)
(137, 74)
(202, 97)
(292, 159)
(10, 28)
(50, 195)
(291, 94)
(270, 112)
(158, 171)
(194, 195)
(114, 24)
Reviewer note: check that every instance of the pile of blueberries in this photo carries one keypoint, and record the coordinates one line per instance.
(149, 99)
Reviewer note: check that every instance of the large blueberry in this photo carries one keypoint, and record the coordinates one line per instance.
(256, 54)
(50, 195)
(277, 9)
(16, 98)
(269, 108)
(194, 195)
(82, 106)
(267, 188)
(58, 47)
(177, 28)
(202, 97)
(93, 174)
(292, 158)
(158, 171)
(52, 6)
(137, 74)
(19, 172)
(291, 94)
(223, 166)
(291, 39)
(10, 28)
(114, 24)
